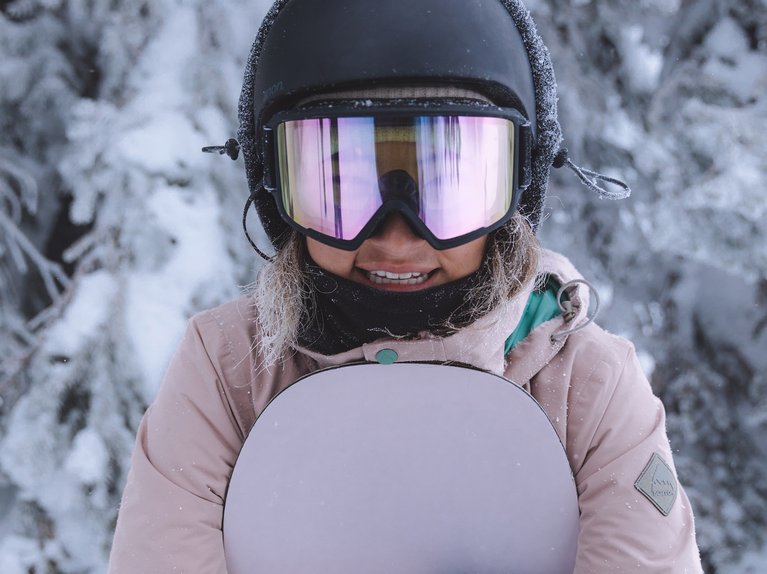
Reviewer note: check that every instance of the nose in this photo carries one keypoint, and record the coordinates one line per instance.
(395, 234)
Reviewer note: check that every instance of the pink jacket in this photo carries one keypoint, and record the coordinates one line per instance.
(634, 517)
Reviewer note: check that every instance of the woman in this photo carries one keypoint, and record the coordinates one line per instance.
(398, 154)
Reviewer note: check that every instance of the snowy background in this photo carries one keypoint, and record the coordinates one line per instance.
(114, 228)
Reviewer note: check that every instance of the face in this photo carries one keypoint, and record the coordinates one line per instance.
(396, 259)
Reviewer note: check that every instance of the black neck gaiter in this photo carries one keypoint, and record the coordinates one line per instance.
(341, 314)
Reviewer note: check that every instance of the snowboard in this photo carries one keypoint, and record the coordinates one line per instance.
(401, 468)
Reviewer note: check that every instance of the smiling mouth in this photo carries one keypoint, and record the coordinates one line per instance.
(389, 278)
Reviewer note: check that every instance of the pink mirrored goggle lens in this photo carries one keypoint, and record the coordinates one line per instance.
(460, 168)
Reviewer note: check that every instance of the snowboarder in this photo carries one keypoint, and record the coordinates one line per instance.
(397, 153)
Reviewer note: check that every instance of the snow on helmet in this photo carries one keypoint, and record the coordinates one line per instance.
(305, 47)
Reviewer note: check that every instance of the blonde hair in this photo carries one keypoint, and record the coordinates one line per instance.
(281, 290)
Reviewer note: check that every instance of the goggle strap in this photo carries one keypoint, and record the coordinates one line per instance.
(526, 144)
(270, 178)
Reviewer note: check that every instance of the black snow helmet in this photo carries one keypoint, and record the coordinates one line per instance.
(307, 47)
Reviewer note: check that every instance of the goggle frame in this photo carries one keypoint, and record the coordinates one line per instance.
(333, 109)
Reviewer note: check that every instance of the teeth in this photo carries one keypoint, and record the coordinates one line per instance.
(389, 278)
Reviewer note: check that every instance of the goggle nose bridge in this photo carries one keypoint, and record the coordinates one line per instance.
(399, 184)
(391, 206)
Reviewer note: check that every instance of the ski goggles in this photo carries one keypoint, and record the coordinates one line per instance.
(455, 172)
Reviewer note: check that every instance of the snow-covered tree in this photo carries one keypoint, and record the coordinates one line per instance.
(108, 106)
(671, 95)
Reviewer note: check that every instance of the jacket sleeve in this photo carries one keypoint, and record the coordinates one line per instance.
(170, 518)
(634, 514)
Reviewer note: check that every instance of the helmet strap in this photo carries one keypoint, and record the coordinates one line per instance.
(589, 178)
(248, 203)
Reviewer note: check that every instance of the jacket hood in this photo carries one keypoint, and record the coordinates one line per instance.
(256, 97)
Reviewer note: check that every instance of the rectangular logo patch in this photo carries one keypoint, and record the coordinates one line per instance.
(658, 484)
